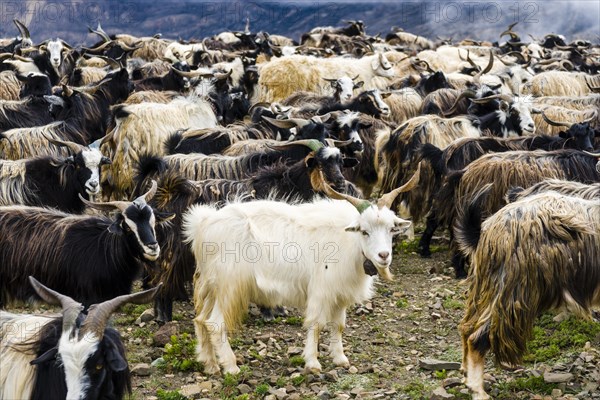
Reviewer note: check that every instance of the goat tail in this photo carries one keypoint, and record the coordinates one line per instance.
(467, 227)
(172, 142)
(434, 156)
(445, 197)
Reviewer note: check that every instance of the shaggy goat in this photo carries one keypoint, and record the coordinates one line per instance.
(536, 254)
(324, 284)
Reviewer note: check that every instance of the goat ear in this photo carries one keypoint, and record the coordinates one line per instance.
(563, 134)
(334, 84)
(350, 162)
(358, 85)
(113, 357)
(105, 161)
(310, 162)
(504, 106)
(375, 63)
(47, 356)
(115, 227)
(353, 227)
(162, 217)
(400, 226)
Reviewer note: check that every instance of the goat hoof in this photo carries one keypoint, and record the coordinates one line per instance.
(211, 369)
(232, 370)
(312, 367)
(341, 361)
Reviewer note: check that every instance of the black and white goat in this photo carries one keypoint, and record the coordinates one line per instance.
(75, 355)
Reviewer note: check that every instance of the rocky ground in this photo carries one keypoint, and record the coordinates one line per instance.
(404, 344)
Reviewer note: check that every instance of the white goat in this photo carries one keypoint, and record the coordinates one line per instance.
(313, 256)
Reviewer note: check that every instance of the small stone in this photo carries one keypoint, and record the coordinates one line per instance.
(146, 316)
(556, 393)
(157, 362)
(294, 396)
(163, 335)
(270, 397)
(451, 382)
(205, 386)
(243, 388)
(441, 394)
(342, 396)
(332, 375)
(437, 365)
(356, 391)
(324, 395)
(353, 370)
(280, 393)
(142, 369)
(191, 390)
(551, 377)
(294, 351)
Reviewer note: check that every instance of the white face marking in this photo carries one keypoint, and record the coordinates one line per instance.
(149, 254)
(74, 353)
(377, 227)
(345, 88)
(55, 48)
(329, 152)
(92, 159)
(522, 108)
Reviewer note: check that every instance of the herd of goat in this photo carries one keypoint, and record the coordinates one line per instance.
(245, 165)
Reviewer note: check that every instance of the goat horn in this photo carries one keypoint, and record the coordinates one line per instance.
(259, 104)
(107, 206)
(192, 74)
(339, 143)
(470, 61)
(356, 77)
(592, 88)
(387, 199)
(501, 96)
(590, 119)
(469, 94)
(99, 48)
(99, 314)
(110, 61)
(329, 79)
(286, 123)
(100, 32)
(507, 63)
(312, 144)
(591, 154)
(509, 29)
(22, 29)
(220, 76)
(319, 119)
(554, 123)
(74, 147)
(146, 197)
(488, 68)
(360, 204)
(70, 308)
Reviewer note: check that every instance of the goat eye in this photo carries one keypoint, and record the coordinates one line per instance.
(365, 233)
(99, 367)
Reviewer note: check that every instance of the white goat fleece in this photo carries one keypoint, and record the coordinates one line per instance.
(271, 253)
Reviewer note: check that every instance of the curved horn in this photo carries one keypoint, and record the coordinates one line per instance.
(592, 154)
(312, 144)
(329, 79)
(99, 48)
(468, 94)
(507, 63)
(554, 123)
(100, 32)
(70, 308)
(108, 206)
(146, 197)
(356, 77)
(286, 123)
(22, 29)
(360, 204)
(590, 119)
(339, 143)
(263, 104)
(127, 48)
(74, 147)
(99, 314)
(502, 96)
(509, 30)
(192, 74)
(387, 199)
(220, 76)
(488, 68)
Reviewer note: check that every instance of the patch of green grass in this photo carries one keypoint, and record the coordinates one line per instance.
(408, 246)
(262, 389)
(180, 354)
(230, 380)
(416, 390)
(443, 374)
(281, 382)
(134, 309)
(254, 354)
(530, 384)
(401, 303)
(453, 354)
(296, 361)
(169, 395)
(298, 380)
(125, 320)
(178, 317)
(298, 321)
(141, 333)
(235, 342)
(453, 304)
(552, 339)
(458, 395)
